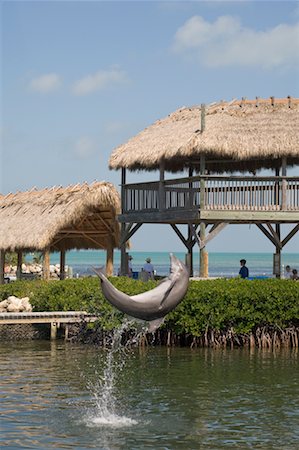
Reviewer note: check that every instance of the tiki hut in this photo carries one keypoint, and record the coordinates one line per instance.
(222, 145)
(81, 216)
(234, 136)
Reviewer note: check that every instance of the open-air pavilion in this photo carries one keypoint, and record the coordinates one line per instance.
(59, 219)
(223, 146)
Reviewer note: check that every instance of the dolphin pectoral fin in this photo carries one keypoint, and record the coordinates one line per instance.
(166, 293)
(154, 324)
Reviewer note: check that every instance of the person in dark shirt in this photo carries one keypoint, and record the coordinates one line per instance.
(243, 272)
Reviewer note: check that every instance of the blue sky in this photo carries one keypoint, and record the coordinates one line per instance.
(80, 78)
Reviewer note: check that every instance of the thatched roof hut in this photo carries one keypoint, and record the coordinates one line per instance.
(76, 217)
(239, 135)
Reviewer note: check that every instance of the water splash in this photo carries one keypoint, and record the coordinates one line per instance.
(107, 411)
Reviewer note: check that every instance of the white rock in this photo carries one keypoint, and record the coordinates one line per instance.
(26, 304)
(15, 304)
(3, 306)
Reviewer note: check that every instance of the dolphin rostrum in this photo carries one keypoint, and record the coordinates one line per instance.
(152, 305)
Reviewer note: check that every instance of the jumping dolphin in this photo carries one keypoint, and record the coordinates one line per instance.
(151, 306)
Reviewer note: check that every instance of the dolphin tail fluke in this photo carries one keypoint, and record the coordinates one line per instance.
(154, 324)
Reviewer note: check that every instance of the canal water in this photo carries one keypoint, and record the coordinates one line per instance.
(61, 395)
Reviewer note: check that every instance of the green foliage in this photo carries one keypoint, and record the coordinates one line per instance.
(241, 304)
(37, 257)
(11, 258)
(214, 304)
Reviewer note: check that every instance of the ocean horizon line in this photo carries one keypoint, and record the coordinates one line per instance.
(222, 264)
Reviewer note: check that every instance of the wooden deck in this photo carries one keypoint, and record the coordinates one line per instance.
(232, 199)
(55, 318)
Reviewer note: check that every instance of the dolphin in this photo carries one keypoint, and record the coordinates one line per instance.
(151, 306)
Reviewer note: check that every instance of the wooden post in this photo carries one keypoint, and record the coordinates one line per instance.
(53, 330)
(203, 258)
(2, 264)
(190, 252)
(46, 264)
(161, 186)
(204, 264)
(278, 253)
(62, 264)
(189, 259)
(123, 259)
(284, 184)
(109, 259)
(19, 264)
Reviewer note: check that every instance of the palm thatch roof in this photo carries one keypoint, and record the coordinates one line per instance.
(76, 217)
(251, 134)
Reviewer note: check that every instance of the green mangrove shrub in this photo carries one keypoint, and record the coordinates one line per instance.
(219, 307)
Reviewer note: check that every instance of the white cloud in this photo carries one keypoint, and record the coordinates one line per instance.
(45, 83)
(98, 81)
(226, 42)
(84, 147)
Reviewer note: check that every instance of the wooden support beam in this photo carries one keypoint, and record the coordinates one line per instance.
(2, 264)
(284, 184)
(128, 232)
(62, 265)
(266, 233)
(189, 259)
(123, 192)
(53, 330)
(66, 332)
(19, 264)
(216, 228)
(290, 235)
(46, 264)
(93, 241)
(106, 225)
(109, 260)
(123, 259)
(123, 254)
(71, 233)
(162, 186)
(278, 252)
(203, 253)
(275, 235)
(193, 230)
(179, 234)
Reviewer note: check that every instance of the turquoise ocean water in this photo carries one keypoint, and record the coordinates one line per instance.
(220, 264)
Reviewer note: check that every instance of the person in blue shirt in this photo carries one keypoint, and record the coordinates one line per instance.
(243, 272)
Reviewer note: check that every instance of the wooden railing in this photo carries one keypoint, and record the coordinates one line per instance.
(252, 194)
(221, 193)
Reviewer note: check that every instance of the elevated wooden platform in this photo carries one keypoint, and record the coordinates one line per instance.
(212, 199)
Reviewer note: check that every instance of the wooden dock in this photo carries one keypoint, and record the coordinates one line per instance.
(54, 318)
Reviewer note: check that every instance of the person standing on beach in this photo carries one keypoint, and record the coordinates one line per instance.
(149, 268)
(243, 272)
(288, 273)
(130, 267)
(294, 275)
